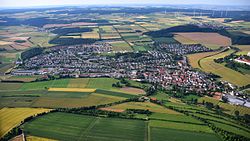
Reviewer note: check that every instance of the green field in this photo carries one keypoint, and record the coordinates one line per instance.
(63, 126)
(121, 46)
(180, 126)
(60, 83)
(35, 94)
(165, 134)
(174, 118)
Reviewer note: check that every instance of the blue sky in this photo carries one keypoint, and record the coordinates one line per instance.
(30, 3)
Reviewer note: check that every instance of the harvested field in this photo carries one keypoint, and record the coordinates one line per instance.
(35, 138)
(144, 105)
(133, 90)
(18, 138)
(72, 90)
(184, 40)
(112, 110)
(207, 38)
(11, 117)
(5, 43)
(244, 49)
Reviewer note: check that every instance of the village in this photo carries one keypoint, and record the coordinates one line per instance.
(169, 70)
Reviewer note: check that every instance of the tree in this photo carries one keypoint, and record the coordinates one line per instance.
(224, 99)
(209, 105)
(237, 113)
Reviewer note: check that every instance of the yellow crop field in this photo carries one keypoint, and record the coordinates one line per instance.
(144, 105)
(72, 89)
(193, 59)
(232, 76)
(205, 62)
(11, 117)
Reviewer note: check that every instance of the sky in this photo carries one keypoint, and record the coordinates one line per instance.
(31, 3)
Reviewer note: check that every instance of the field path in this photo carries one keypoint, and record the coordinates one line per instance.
(90, 126)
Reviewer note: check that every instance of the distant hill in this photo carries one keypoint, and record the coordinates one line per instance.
(237, 37)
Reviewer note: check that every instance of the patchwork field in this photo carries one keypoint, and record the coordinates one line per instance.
(64, 93)
(11, 117)
(78, 127)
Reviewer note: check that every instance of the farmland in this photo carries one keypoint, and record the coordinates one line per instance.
(75, 127)
(230, 109)
(64, 93)
(115, 73)
(165, 134)
(143, 105)
(207, 38)
(205, 62)
(11, 117)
